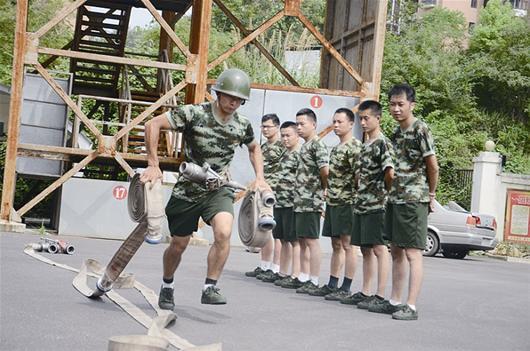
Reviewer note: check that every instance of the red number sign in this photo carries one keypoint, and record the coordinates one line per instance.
(119, 192)
(316, 101)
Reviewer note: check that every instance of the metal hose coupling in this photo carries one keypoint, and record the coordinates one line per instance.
(206, 176)
(266, 218)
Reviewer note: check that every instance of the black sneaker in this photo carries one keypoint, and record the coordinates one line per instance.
(264, 274)
(278, 282)
(254, 273)
(337, 295)
(363, 305)
(271, 278)
(354, 299)
(405, 314)
(384, 306)
(212, 296)
(291, 283)
(307, 287)
(322, 291)
(165, 299)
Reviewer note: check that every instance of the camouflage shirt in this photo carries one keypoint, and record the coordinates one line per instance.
(309, 194)
(411, 147)
(272, 154)
(286, 179)
(207, 139)
(376, 156)
(341, 177)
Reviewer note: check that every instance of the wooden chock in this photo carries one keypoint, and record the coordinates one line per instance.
(31, 56)
(106, 145)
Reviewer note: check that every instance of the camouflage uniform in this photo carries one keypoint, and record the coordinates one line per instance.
(283, 210)
(309, 194)
(341, 192)
(206, 139)
(376, 156)
(272, 153)
(406, 218)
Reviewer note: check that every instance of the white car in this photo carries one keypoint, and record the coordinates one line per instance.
(454, 232)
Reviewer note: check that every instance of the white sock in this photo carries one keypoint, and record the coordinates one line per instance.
(168, 285)
(265, 265)
(314, 280)
(413, 307)
(394, 303)
(303, 277)
(275, 268)
(206, 286)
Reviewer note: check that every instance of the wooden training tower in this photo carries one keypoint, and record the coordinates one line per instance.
(352, 49)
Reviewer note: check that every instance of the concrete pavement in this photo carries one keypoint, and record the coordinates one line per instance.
(471, 304)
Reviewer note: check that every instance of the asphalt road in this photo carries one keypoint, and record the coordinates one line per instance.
(470, 304)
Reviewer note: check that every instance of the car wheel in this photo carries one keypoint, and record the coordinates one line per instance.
(432, 244)
(455, 254)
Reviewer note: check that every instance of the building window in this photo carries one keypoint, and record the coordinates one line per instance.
(428, 2)
(470, 27)
(474, 4)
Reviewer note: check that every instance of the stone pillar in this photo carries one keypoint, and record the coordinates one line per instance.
(486, 183)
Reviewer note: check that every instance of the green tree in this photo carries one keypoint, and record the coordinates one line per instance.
(499, 50)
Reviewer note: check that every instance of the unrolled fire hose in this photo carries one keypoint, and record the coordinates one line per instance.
(149, 219)
(256, 220)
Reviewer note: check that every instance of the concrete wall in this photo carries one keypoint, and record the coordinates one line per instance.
(490, 186)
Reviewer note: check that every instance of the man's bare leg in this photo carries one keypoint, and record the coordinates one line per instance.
(314, 259)
(350, 256)
(415, 259)
(276, 257)
(285, 257)
(173, 255)
(337, 257)
(399, 271)
(295, 265)
(219, 251)
(381, 252)
(304, 260)
(369, 263)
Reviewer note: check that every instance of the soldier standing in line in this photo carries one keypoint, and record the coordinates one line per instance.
(411, 199)
(311, 182)
(283, 210)
(339, 199)
(272, 151)
(374, 173)
(212, 131)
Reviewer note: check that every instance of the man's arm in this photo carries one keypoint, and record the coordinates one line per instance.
(389, 178)
(324, 173)
(256, 158)
(152, 133)
(431, 164)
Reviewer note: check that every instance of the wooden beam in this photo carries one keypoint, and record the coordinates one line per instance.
(57, 88)
(58, 18)
(302, 89)
(379, 45)
(118, 157)
(260, 47)
(199, 44)
(149, 110)
(110, 59)
(66, 154)
(167, 28)
(15, 107)
(342, 61)
(258, 31)
(57, 183)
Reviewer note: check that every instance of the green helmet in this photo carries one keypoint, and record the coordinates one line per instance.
(233, 82)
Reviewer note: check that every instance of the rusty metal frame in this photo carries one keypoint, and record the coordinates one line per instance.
(27, 51)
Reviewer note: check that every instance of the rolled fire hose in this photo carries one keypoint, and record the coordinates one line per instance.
(256, 220)
(137, 211)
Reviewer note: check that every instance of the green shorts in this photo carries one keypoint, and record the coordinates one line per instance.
(307, 225)
(183, 216)
(284, 229)
(367, 229)
(337, 221)
(406, 224)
